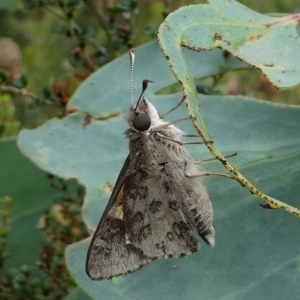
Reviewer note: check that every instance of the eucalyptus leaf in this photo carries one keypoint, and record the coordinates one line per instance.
(31, 195)
(267, 43)
(77, 294)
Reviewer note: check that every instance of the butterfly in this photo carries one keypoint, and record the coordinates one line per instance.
(158, 206)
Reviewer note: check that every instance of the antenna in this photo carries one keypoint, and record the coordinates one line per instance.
(145, 81)
(132, 57)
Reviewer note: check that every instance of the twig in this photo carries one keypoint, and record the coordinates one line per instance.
(16, 91)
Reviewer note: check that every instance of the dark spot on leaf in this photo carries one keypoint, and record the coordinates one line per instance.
(217, 37)
(109, 116)
(266, 205)
(268, 65)
(87, 120)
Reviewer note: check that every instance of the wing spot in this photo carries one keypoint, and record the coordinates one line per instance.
(143, 192)
(183, 227)
(155, 206)
(194, 211)
(167, 187)
(173, 205)
(170, 236)
(161, 246)
(176, 229)
(146, 231)
(137, 218)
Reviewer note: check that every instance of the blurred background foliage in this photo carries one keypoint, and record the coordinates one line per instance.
(47, 48)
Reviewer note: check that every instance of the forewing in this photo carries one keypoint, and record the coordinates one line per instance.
(109, 253)
(118, 185)
(154, 220)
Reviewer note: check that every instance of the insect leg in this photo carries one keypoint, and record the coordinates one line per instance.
(172, 109)
(200, 161)
(191, 172)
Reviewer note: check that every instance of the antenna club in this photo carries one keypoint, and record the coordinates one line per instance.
(145, 83)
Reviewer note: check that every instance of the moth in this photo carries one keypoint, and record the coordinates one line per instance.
(158, 206)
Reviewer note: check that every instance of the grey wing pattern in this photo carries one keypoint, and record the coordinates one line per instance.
(110, 254)
(155, 216)
(154, 212)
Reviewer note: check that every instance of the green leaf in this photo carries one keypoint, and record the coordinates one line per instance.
(126, 16)
(75, 4)
(150, 64)
(2, 76)
(30, 4)
(102, 60)
(75, 60)
(113, 28)
(257, 250)
(77, 294)
(267, 43)
(118, 9)
(31, 194)
(118, 43)
(87, 32)
(150, 30)
(58, 27)
(247, 35)
(34, 104)
(47, 91)
(44, 94)
(8, 4)
(20, 82)
(133, 34)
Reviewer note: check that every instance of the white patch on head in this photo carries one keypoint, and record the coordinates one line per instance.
(157, 121)
(153, 114)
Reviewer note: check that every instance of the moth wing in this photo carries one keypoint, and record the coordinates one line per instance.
(154, 217)
(116, 189)
(110, 254)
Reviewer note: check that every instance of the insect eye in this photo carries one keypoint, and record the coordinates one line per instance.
(141, 122)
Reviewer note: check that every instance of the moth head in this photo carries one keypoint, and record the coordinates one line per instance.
(144, 116)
